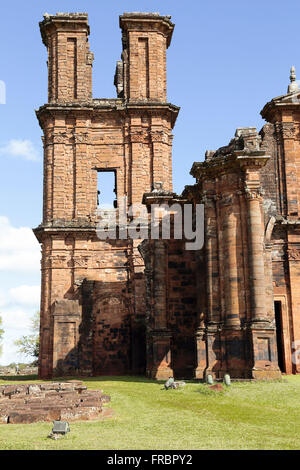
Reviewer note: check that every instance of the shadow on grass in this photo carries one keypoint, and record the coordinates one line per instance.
(19, 378)
(107, 378)
(133, 379)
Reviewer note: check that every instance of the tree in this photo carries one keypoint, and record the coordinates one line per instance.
(1, 335)
(29, 345)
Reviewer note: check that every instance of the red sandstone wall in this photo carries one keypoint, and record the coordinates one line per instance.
(182, 308)
(93, 292)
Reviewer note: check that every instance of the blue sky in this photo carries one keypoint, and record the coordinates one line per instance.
(226, 60)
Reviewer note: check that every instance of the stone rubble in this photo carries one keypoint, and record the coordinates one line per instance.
(66, 401)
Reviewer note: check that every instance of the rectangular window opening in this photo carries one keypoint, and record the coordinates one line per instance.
(106, 189)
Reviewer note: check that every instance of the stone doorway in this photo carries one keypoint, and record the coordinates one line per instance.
(111, 336)
(279, 335)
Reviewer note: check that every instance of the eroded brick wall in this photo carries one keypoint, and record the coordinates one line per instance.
(182, 308)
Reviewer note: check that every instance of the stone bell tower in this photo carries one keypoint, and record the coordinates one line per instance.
(93, 291)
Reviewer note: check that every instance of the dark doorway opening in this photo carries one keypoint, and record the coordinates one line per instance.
(279, 334)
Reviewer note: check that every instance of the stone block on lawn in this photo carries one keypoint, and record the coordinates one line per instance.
(47, 402)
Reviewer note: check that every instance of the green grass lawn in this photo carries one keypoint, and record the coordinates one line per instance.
(250, 415)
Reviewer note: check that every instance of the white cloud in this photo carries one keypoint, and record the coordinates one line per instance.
(20, 149)
(3, 299)
(10, 351)
(19, 294)
(16, 323)
(19, 249)
(19, 305)
(25, 295)
(16, 319)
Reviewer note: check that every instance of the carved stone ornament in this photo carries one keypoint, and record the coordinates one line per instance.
(81, 138)
(287, 129)
(58, 261)
(89, 58)
(294, 254)
(159, 136)
(80, 261)
(253, 193)
(137, 260)
(113, 301)
(60, 138)
(141, 136)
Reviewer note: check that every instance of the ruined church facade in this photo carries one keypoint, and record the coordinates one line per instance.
(121, 306)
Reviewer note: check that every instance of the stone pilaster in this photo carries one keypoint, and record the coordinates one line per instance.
(86, 329)
(262, 336)
(161, 336)
(200, 341)
(66, 316)
(256, 256)
(231, 277)
(211, 248)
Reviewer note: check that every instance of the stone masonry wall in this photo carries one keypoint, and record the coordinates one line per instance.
(99, 329)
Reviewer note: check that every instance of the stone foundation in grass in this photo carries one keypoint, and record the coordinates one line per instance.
(49, 401)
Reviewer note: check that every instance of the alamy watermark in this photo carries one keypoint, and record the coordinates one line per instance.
(177, 221)
(2, 92)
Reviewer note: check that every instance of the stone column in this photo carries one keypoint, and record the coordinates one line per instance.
(262, 336)
(213, 304)
(231, 284)
(256, 256)
(200, 341)
(45, 350)
(161, 336)
(212, 287)
(85, 347)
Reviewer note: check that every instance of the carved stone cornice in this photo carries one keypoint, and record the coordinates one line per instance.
(254, 160)
(147, 22)
(237, 160)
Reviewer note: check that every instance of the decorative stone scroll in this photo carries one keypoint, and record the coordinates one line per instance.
(286, 129)
(59, 138)
(80, 261)
(159, 136)
(89, 58)
(58, 261)
(140, 136)
(294, 254)
(81, 138)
